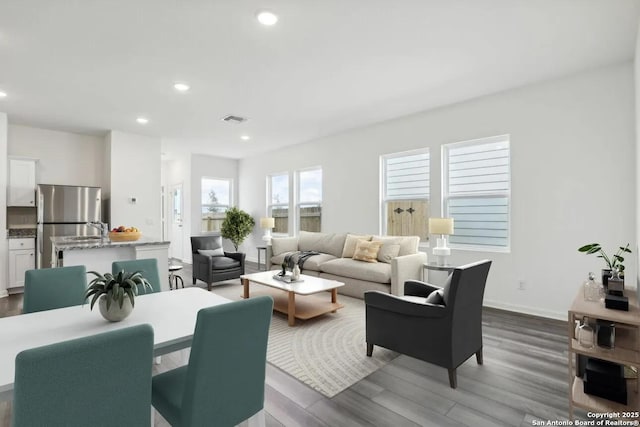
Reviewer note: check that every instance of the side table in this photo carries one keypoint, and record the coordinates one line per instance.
(260, 249)
(435, 267)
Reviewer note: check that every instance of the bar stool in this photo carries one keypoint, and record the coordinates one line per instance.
(173, 277)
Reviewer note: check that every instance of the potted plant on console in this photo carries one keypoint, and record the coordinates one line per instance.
(615, 266)
(116, 293)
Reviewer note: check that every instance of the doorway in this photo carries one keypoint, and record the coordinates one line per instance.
(176, 216)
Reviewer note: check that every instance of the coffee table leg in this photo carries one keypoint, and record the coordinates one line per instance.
(245, 284)
(291, 309)
(334, 297)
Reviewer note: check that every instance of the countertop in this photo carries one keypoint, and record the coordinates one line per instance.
(63, 243)
(21, 233)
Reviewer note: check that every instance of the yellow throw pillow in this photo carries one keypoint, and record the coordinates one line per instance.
(350, 244)
(367, 251)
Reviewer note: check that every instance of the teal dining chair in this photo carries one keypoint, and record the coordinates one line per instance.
(148, 267)
(102, 380)
(50, 288)
(223, 383)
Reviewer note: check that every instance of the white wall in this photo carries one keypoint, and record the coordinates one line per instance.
(64, 158)
(135, 172)
(573, 179)
(4, 250)
(636, 71)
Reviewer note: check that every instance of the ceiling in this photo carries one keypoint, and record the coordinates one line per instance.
(88, 66)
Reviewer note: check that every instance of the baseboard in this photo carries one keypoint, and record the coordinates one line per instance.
(4, 293)
(526, 310)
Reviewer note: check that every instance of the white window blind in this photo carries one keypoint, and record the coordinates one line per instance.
(477, 191)
(406, 176)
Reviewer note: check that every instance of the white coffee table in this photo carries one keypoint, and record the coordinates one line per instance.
(304, 308)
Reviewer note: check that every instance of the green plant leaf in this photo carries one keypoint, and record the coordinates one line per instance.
(94, 299)
(237, 225)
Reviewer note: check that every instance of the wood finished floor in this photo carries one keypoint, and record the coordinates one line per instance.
(524, 378)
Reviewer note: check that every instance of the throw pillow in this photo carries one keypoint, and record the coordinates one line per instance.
(350, 244)
(435, 297)
(211, 252)
(388, 252)
(367, 251)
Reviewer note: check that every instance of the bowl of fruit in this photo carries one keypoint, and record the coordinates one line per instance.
(124, 234)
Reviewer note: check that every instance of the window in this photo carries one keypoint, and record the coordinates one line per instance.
(477, 191)
(215, 199)
(310, 200)
(278, 207)
(405, 194)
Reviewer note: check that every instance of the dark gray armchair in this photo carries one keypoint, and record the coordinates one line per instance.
(210, 262)
(442, 326)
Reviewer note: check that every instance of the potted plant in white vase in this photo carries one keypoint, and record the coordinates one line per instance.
(116, 294)
(237, 225)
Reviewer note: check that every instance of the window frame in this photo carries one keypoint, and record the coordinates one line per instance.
(287, 205)
(383, 189)
(445, 197)
(205, 205)
(296, 201)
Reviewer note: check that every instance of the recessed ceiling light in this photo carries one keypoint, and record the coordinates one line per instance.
(181, 87)
(267, 18)
(142, 120)
(245, 137)
(3, 94)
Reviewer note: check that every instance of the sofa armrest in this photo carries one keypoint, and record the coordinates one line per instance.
(386, 302)
(403, 268)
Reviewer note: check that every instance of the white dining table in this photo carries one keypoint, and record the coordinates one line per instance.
(172, 315)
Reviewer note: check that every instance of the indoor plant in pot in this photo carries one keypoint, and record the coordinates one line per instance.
(237, 225)
(614, 263)
(116, 293)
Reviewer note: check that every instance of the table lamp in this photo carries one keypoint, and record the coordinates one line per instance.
(267, 224)
(443, 227)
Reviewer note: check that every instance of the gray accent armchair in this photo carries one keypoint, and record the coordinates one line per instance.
(212, 269)
(442, 326)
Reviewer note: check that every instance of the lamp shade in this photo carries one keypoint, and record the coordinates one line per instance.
(441, 226)
(267, 222)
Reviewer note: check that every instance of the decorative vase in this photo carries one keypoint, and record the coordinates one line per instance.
(295, 275)
(115, 313)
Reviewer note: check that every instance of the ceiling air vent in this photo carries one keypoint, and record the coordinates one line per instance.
(234, 119)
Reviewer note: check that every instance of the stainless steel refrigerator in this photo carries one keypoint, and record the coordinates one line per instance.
(64, 210)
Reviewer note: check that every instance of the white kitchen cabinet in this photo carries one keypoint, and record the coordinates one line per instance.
(21, 182)
(22, 257)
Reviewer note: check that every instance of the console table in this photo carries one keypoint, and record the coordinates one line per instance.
(626, 351)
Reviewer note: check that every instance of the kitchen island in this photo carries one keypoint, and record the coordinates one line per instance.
(97, 253)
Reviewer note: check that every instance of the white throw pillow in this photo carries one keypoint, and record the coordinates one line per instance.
(388, 252)
(211, 252)
(350, 244)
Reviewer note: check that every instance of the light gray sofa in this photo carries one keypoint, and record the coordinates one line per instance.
(398, 260)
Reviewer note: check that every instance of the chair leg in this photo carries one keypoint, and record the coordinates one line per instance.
(453, 379)
(194, 280)
(479, 356)
(369, 349)
(257, 420)
(209, 286)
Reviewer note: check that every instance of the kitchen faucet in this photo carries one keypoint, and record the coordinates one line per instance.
(102, 226)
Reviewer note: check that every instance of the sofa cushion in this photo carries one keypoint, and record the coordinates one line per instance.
(223, 262)
(350, 244)
(280, 245)
(347, 267)
(328, 243)
(387, 252)
(367, 251)
(313, 263)
(408, 244)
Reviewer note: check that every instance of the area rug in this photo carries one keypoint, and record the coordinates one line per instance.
(327, 353)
